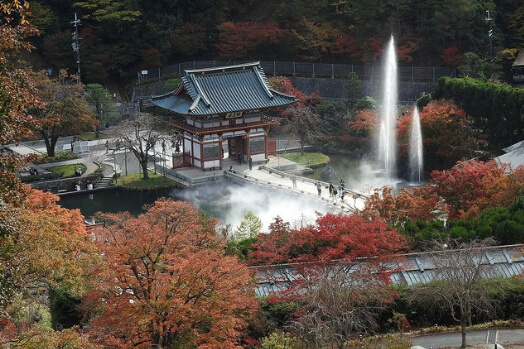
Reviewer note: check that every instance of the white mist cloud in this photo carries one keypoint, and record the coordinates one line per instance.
(229, 203)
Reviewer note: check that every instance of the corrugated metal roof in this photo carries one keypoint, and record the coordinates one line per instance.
(414, 268)
(223, 90)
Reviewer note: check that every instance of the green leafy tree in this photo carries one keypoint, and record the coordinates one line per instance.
(314, 39)
(249, 227)
(52, 49)
(354, 89)
(242, 239)
(110, 11)
(102, 104)
(280, 340)
(476, 67)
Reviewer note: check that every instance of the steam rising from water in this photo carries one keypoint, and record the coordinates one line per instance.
(229, 203)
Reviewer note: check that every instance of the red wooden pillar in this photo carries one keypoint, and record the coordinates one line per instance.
(266, 156)
(248, 150)
(220, 150)
(201, 143)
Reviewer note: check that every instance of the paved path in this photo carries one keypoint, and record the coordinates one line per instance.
(91, 154)
(489, 337)
(268, 175)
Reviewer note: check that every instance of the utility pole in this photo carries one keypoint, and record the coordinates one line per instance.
(76, 46)
(490, 33)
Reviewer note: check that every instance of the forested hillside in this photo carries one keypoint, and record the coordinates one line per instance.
(120, 37)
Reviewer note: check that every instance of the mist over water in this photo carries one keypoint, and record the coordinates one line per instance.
(229, 203)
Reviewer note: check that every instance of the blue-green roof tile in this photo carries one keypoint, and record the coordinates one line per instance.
(221, 90)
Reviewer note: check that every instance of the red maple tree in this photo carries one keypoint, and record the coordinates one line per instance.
(332, 237)
(396, 208)
(471, 187)
(167, 282)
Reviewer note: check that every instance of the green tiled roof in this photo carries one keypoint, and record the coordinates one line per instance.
(222, 90)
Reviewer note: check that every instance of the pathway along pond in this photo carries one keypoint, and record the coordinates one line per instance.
(227, 202)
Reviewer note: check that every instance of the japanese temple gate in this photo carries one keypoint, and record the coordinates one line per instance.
(223, 105)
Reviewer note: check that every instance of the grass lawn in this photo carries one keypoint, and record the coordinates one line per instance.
(91, 136)
(308, 159)
(62, 156)
(155, 181)
(68, 170)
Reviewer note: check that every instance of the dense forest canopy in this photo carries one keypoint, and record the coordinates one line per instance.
(120, 37)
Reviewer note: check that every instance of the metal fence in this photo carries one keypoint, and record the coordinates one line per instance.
(320, 70)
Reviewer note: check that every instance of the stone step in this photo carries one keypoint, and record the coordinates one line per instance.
(105, 182)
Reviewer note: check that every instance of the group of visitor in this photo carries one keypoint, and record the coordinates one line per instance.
(338, 192)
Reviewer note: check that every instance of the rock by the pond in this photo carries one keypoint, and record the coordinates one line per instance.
(328, 174)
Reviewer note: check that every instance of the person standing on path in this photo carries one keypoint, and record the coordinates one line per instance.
(340, 188)
(294, 180)
(250, 163)
(319, 188)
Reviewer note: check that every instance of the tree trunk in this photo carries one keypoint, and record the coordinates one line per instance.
(50, 143)
(463, 321)
(302, 145)
(145, 172)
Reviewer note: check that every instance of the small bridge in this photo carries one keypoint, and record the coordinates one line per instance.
(272, 177)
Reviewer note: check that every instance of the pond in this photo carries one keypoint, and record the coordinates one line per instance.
(227, 202)
(344, 165)
(112, 201)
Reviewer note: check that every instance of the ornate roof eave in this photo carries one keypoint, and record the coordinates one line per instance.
(266, 124)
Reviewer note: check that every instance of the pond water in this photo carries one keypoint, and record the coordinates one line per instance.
(345, 166)
(112, 201)
(227, 202)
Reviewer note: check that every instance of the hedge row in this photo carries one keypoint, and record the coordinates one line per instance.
(497, 110)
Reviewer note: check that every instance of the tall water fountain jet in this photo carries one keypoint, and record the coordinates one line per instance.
(416, 160)
(387, 142)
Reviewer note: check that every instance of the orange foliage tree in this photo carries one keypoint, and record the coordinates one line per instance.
(463, 192)
(48, 246)
(412, 204)
(66, 111)
(17, 96)
(167, 282)
(362, 128)
(471, 187)
(446, 136)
